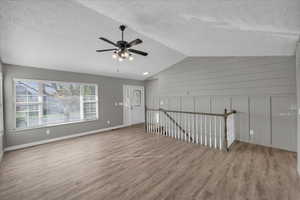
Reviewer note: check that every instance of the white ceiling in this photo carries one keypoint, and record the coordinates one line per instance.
(63, 34)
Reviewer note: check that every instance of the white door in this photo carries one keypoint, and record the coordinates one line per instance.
(133, 104)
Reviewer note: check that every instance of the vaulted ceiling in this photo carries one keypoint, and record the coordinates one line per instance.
(63, 35)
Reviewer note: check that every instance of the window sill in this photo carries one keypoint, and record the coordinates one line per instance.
(16, 130)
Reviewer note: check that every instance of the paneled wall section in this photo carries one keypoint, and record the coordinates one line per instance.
(261, 89)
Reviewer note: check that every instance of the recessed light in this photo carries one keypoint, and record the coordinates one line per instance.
(145, 73)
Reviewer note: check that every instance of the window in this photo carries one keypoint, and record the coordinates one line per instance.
(45, 103)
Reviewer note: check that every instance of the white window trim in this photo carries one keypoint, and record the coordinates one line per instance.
(55, 124)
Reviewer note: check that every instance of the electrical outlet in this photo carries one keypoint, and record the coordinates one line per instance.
(48, 131)
(108, 122)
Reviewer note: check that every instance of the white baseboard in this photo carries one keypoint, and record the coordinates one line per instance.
(22, 146)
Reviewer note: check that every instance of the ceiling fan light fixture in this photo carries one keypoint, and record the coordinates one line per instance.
(126, 54)
(130, 57)
(114, 56)
(120, 59)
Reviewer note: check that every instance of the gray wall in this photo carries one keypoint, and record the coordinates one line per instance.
(261, 89)
(110, 91)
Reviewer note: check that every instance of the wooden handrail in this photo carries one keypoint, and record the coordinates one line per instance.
(195, 113)
(232, 112)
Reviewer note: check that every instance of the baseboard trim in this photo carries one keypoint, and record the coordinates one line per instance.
(22, 146)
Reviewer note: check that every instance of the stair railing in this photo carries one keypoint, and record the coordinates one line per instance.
(208, 129)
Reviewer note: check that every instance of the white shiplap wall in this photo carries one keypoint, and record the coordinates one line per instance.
(298, 99)
(261, 89)
(1, 114)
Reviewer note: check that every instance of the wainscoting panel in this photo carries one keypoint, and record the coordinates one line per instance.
(260, 120)
(219, 103)
(241, 105)
(284, 118)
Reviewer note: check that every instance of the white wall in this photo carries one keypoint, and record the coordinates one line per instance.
(261, 89)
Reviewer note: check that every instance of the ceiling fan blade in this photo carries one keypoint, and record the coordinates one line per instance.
(106, 50)
(138, 52)
(107, 40)
(135, 42)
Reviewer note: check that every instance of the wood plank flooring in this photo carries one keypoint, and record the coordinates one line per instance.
(130, 164)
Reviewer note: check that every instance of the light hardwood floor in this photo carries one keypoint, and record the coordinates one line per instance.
(130, 164)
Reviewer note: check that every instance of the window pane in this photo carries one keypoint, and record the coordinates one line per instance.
(61, 102)
(89, 90)
(89, 93)
(21, 119)
(90, 116)
(33, 119)
(27, 91)
(27, 107)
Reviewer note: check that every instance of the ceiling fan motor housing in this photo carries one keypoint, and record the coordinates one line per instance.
(123, 44)
(122, 27)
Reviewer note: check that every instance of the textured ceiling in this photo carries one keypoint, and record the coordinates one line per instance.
(211, 27)
(63, 35)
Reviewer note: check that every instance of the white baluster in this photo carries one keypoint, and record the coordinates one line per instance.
(192, 128)
(215, 120)
(205, 130)
(176, 120)
(220, 134)
(210, 132)
(148, 121)
(169, 126)
(172, 126)
(197, 129)
(152, 125)
(201, 129)
(160, 122)
(166, 122)
(157, 121)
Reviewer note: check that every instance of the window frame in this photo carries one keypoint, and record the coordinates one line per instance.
(41, 95)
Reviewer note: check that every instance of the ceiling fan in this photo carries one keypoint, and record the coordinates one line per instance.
(123, 48)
